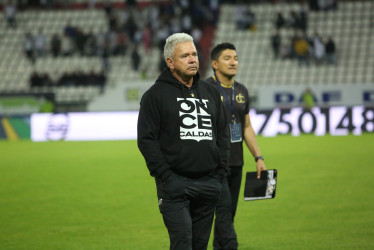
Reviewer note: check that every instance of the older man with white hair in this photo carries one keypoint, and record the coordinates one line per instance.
(183, 136)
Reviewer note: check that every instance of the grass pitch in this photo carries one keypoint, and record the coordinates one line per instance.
(99, 195)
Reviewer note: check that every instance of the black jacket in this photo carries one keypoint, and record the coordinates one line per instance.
(241, 105)
(183, 130)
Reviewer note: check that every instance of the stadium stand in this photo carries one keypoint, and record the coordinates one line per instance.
(16, 68)
(351, 26)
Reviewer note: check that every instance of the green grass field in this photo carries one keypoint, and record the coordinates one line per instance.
(99, 195)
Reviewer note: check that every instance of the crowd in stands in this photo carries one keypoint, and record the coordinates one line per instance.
(300, 46)
(324, 5)
(68, 79)
(129, 26)
(10, 10)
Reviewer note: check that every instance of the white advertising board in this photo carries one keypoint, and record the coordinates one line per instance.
(318, 121)
(123, 125)
(88, 126)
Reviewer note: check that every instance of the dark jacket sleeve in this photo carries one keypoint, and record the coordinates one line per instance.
(148, 134)
(223, 138)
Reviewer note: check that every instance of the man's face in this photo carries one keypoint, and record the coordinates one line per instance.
(185, 62)
(227, 63)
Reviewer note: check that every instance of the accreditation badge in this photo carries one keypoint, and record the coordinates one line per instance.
(236, 132)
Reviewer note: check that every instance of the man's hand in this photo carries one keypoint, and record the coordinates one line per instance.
(260, 165)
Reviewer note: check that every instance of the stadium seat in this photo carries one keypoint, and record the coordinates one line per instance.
(349, 26)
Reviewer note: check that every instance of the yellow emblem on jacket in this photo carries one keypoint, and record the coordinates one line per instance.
(240, 98)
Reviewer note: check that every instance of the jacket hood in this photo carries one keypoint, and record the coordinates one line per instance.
(167, 77)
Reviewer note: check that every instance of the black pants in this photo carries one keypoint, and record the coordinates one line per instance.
(235, 180)
(187, 206)
(224, 231)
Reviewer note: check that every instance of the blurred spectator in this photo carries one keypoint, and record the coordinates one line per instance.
(130, 3)
(214, 9)
(40, 43)
(80, 78)
(45, 80)
(122, 45)
(318, 49)
(327, 5)
(313, 5)
(301, 48)
(28, 46)
(10, 10)
(175, 24)
(112, 41)
(66, 79)
(184, 4)
(70, 30)
(96, 79)
(55, 45)
(46, 3)
(80, 41)
(67, 46)
(138, 36)
(161, 34)
(108, 8)
(197, 34)
(308, 99)
(101, 81)
(112, 21)
(302, 19)
(92, 78)
(90, 44)
(105, 54)
(35, 80)
(186, 21)
(286, 51)
(331, 52)
(130, 28)
(100, 41)
(122, 16)
(280, 22)
(135, 59)
(147, 38)
(154, 16)
(276, 44)
(292, 21)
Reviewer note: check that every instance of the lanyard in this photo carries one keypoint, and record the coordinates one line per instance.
(229, 104)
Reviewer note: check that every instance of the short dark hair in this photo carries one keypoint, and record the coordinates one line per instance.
(217, 50)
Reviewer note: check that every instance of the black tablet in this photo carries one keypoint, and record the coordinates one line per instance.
(263, 188)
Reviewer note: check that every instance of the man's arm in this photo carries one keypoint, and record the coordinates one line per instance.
(251, 142)
(148, 133)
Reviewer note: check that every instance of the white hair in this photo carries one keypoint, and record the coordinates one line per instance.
(172, 41)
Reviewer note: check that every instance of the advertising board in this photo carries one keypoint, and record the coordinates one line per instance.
(272, 122)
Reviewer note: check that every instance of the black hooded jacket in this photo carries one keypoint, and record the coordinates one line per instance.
(183, 130)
